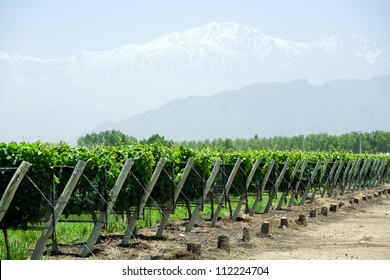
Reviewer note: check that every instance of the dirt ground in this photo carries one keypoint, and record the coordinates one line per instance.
(354, 231)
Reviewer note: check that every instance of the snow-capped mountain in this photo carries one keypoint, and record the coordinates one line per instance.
(130, 79)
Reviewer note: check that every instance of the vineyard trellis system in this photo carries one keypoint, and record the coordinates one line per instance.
(40, 183)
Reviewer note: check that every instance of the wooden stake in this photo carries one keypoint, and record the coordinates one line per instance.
(324, 211)
(313, 213)
(60, 206)
(223, 243)
(179, 187)
(277, 184)
(333, 208)
(133, 219)
(263, 184)
(265, 228)
(247, 184)
(225, 192)
(102, 220)
(13, 185)
(195, 248)
(283, 222)
(302, 219)
(245, 234)
(206, 190)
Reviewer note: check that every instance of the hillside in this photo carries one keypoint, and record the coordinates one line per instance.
(269, 109)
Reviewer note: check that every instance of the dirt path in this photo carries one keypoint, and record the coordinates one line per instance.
(354, 231)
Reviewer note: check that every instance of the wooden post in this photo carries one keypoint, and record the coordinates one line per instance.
(352, 174)
(12, 186)
(356, 200)
(245, 234)
(248, 182)
(206, 190)
(260, 192)
(304, 164)
(194, 248)
(329, 179)
(333, 207)
(283, 222)
(133, 219)
(320, 181)
(313, 213)
(324, 211)
(302, 219)
(225, 192)
(223, 243)
(345, 177)
(334, 185)
(362, 175)
(60, 206)
(313, 176)
(179, 187)
(285, 193)
(277, 184)
(265, 228)
(102, 220)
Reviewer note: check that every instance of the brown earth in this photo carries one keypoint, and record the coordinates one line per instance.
(354, 231)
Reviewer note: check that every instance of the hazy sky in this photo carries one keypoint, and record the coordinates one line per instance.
(54, 28)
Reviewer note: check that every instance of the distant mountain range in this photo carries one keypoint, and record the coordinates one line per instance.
(132, 79)
(270, 109)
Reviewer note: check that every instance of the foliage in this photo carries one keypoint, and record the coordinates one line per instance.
(354, 142)
(52, 165)
(106, 138)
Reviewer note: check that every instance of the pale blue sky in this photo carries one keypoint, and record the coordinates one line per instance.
(53, 28)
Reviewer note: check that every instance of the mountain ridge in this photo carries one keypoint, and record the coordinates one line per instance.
(130, 79)
(266, 110)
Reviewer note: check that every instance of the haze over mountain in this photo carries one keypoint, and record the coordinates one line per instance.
(292, 108)
(84, 90)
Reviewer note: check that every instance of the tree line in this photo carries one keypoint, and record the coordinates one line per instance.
(353, 142)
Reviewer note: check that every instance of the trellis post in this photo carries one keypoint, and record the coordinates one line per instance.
(345, 177)
(285, 193)
(304, 164)
(364, 174)
(324, 167)
(60, 206)
(206, 190)
(167, 212)
(329, 178)
(313, 176)
(102, 220)
(335, 179)
(12, 186)
(225, 191)
(133, 219)
(276, 187)
(263, 184)
(351, 174)
(247, 184)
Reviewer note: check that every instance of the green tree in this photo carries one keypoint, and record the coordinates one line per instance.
(106, 138)
(157, 139)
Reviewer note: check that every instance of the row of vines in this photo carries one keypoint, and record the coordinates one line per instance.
(52, 165)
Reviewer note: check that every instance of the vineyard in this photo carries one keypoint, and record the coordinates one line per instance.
(42, 185)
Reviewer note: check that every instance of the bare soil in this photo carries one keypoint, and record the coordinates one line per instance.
(354, 231)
